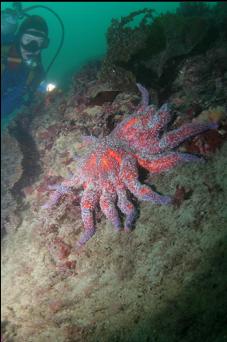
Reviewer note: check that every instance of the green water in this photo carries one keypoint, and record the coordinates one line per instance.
(85, 25)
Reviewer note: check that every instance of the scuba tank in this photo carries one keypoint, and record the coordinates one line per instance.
(10, 19)
(9, 22)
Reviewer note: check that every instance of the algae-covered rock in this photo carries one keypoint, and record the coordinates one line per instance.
(11, 171)
(152, 50)
(172, 36)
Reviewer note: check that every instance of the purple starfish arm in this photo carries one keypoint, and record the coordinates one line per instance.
(60, 190)
(89, 139)
(54, 198)
(145, 95)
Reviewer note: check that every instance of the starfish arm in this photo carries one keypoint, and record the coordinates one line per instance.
(127, 208)
(166, 161)
(177, 136)
(146, 128)
(129, 174)
(53, 200)
(60, 190)
(72, 182)
(159, 120)
(89, 139)
(145, 95)
(89, 201)
(108, 208)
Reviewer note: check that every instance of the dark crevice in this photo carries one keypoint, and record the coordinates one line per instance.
(163, 83)
(30, 162)
(103, 97)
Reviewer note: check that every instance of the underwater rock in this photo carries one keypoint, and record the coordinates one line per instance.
(151, 52)
(202, 79)
(165, 281)
(123, 42)
(102, 97)
(206, 143)
(11, 172)
(179, 37)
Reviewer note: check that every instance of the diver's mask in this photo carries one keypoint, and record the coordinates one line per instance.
(33, 40)
(31, 43)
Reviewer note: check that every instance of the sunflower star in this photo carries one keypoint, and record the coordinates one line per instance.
(110, 169)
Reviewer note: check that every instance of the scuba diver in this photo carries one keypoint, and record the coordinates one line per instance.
(22, 72)
(21, 69)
